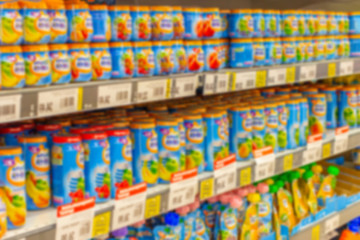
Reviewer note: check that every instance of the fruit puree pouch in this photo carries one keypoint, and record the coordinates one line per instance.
(225, 17)
(121, 158)
(286, 211)
(272, 123)
(282, 126)
(240, 130)
(309, 49)
(348, 107)
(304, 121)
(80, 58)
(259, 52)
(178, 22)
(228, 220)
(11, 32)
(265, 210)
(12, 67)
(164, 57)
(80, 23)
(200, 227)
(97, 165)
(101, 61)
(241, 23)
(167, 232)
(289, 50)
(310, 192)
(250, 227)
(60, 64)
(195, 56)
(180, 61)
(195, 147)
(319, 48)
(331, 106)
(330, 48)
(101, 23)
(271, 23)
(241, 53)
(209, 209)
(317, 114)
(300, 206)
(327, 186)
(58, 22)
(188, 226)
(212, 55)
(161, 23)
(258, 126)
(122, 59)
(145, 153)
(293, 123)
(13, 185)
(259, 22)
(290, 23)
(169, 149)
(141, 23)
(301, 22)
(144, 59)
(121, 23)
(211, 23)
(193, 23)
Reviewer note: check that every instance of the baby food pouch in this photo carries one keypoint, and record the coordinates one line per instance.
(12, 67)
(321, 22)
(80, 22)
(327, 186)
(282, 126)
(195, 56)
(265, 209)
(161, 23)
(141, 23)
(178, 22)
(11, 31)
(10, 135)
(164, 57)
(300, 49)
(330, 48)
(309, 49)
(122, 59)
(101, 61)
(317, 114)
(286, 211)
(293, 123)
(289, 50)
(193, 23)
(80, 59)
(183, 213)
(3, 216)
(258, 126)
(121, 23)
(60, 64)
(228, 219)
(271, 23)
(272, 123)
(144, 59)
(209, 209)
(310, 192)
(250, 227)
(101, 23)
(58, 22)
(301, 23)
(200, 226)
(300, 206)
(211, 23)
(347, 107)
(319, 48)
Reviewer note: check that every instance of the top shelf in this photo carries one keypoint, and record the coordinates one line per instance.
(30, 103)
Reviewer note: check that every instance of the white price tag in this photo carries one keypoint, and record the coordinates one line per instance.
(151, 90)
(313, 149)
(129, 206)
(332, 223)
(114, 95)
(346, 68)
(265, 163)
(10, 108)
(276, 77)
(307, 72)
(225, 174)
(341, 139)
(245, 80)
(209, 84)
(185, 86)
(183, 188)
(222, 83)
(74, 221)
(57, 102)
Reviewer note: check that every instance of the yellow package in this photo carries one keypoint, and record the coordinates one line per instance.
(327, 187)
(300, 206)
(310, 193)
(250, 227)
(286, 211)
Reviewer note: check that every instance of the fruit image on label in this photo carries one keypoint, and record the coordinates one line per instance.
(101, 64)
(36, 26)
(80, 65)
(128, 62)
(211, 25)
(60, 66)
(145, 61)
(11, 27)
(122, 26)
(246, 25)
(58, 26)
(12, 70)
(195, 59)
(143, 26)
(161, 26)
(178, 25)
(81, 27)
(37, 69)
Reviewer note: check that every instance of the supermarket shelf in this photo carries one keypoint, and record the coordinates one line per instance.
(247, 172)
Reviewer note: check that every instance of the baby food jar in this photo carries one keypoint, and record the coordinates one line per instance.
(289, 50)
(12, 67)
(317, 114)
(259, 52)
(195, 56)
(330, 48)
(309, 49)
(58, 22)
(101, 61)
(60, 64)
(144, 59)
(141, 23)
(290, 23)
(354, 22)
(121, 24)
(80, 27)
(332, 23)
(122, 59)
(164, 57)
(211, 23)
(259, 22)
(80, 60)
(241, 53)
(161, 23)
(212, 55)
(10, 135)
(302, 28)
(180, 61)
(354, 45)
(193, 23)
(178, 22)
(241, 23)
(321, 23)
(319, 48)
(224, 19)
(272, 25)
(273, 52)
(101, 23)
(36, 22)
(343, 22)
(309, 23)
(300, 49)
(11, 24)
(37, 65)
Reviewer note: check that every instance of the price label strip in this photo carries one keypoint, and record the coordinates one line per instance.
(129, 206)
(183, 188)
(332, 224)
(185, 86)
(206, 189)
(225, 174)
(244, 80)
(74, 221)
(114, 95)
(313, 150)
(57, 102)
(276, 77)
(222, 82)
(290, 74)
(346, 68)
(209, 84)
(265, 163)
(10, 108)
(307, 72)
(341, 140)
(245, 177)
(154, 90)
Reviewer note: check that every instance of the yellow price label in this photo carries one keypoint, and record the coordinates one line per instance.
(207, 189)
(260, 78)
(288, 162)
(331, 69)
(168, 88)
(101, 224)
(326, 150)
(245, 176)
(290, 74)
(232, 81)
(152, 206)
(315, 233)
(80, 98)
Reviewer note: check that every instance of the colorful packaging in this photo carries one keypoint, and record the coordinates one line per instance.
(121, 158)
(121, 24)
(37, 65)
(272, 123)
(300, 49)
(241, 53)
(293, 124)
(271, 52)
(13, 185)
(286, 210)
(319, 48)
(290, 23)
(97, 165)
(145, 153)
(224, 53)
(212, 55)
(80, 58)
(304, 121)
(271, 23)
(100, 61)
(330, 48)
(354, 41)
(265, 210)
(141, 23)
(343, 22)
(259, 52)
(11, 32)
(310, 28)
(144, 59)
(331, 106)
(339, 46)
(300, 206)
(10, 135)
(12, 67)
(161, 23)
(289, 50)
(49, 130)
(164, 57)
(224, 17)
(282, 126)
(193, 23)
(101, 23)
(250, 227)
(37, 162)
(211, 23)
(180, 61)
(258, 127)
(241, 23)
(259, 22)
(354, 22)
(80, 23)
(317, 114)
(310, 192)
(178, 22)
(309, 49)
(195, 56)
(347, 107)
(321, 23)
(58, 22)
(332, 24)
(301, 23)
(60, 64)
(122, 59)
(328, 185)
